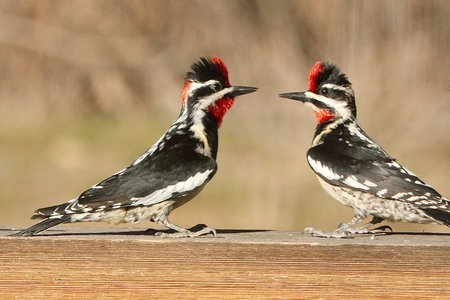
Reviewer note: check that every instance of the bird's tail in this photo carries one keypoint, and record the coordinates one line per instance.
(41, 226)
(440, 216)
(45, 212)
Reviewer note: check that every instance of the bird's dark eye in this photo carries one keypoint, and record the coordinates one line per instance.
(216, 87)
(324, 91)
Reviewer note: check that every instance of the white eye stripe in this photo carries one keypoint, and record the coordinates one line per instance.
(335, 87)
(197, 85)
(339, 106)
(210, 99)
(328, 101)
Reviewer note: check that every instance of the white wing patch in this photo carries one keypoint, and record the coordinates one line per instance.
(323, 170)
(382, 192)
(353, 182)
(415, 198)
(401, 195)
(394, 164)
(117, 173)
(369, 183)
(414, 179)
(166, 193)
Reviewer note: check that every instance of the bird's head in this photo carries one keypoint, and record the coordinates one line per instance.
(329, 94)
(207, 88)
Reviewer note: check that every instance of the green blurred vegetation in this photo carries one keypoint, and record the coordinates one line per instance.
(87, 86)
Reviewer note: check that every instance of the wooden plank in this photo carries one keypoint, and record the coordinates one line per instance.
(116, 264)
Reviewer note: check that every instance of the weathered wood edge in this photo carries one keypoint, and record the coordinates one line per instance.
(114, 263)
(238, 236)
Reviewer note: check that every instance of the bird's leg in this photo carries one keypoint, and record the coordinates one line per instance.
(343, 231)
(365, 227)
(182, 232)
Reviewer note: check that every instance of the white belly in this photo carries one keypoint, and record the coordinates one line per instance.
(366, 204)
(130, 215)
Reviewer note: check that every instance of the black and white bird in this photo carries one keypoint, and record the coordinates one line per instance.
(169, 174)
(352, 168)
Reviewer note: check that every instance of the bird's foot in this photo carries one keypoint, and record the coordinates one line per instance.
(337, 234)
(380, 229)
(365, 229)
(345, 231)
(185, 233)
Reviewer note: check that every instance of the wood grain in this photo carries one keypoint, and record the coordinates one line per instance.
(99, 264)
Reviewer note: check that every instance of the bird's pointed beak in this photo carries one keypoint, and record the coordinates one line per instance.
(299, 96)
(241, 90)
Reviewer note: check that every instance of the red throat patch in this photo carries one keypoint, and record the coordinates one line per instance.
(323, 115)
(219, 108)
(313, 74)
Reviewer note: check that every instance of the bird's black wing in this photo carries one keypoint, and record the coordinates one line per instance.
(152, 179)
(368, 169)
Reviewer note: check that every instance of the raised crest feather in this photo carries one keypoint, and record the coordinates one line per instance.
(209, 68)
(325, 72)
(313, 76)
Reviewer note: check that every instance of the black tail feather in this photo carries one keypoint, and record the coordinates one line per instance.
(46, 212)
(41, 226)
(440, 216)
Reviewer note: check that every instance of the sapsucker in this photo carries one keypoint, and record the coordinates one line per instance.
(352, 168)
(169, 174)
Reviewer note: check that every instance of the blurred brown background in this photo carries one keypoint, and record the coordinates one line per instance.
(87, 86)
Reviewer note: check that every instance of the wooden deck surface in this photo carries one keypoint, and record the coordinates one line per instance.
(108, 263)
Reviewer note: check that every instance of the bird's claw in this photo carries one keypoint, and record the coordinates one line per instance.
(381, 229)
(344, 231)
(187, 233)
(362, 230)
(338, 233)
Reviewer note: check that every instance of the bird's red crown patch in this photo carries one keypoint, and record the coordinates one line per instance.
(221, 66)
(313, 74)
